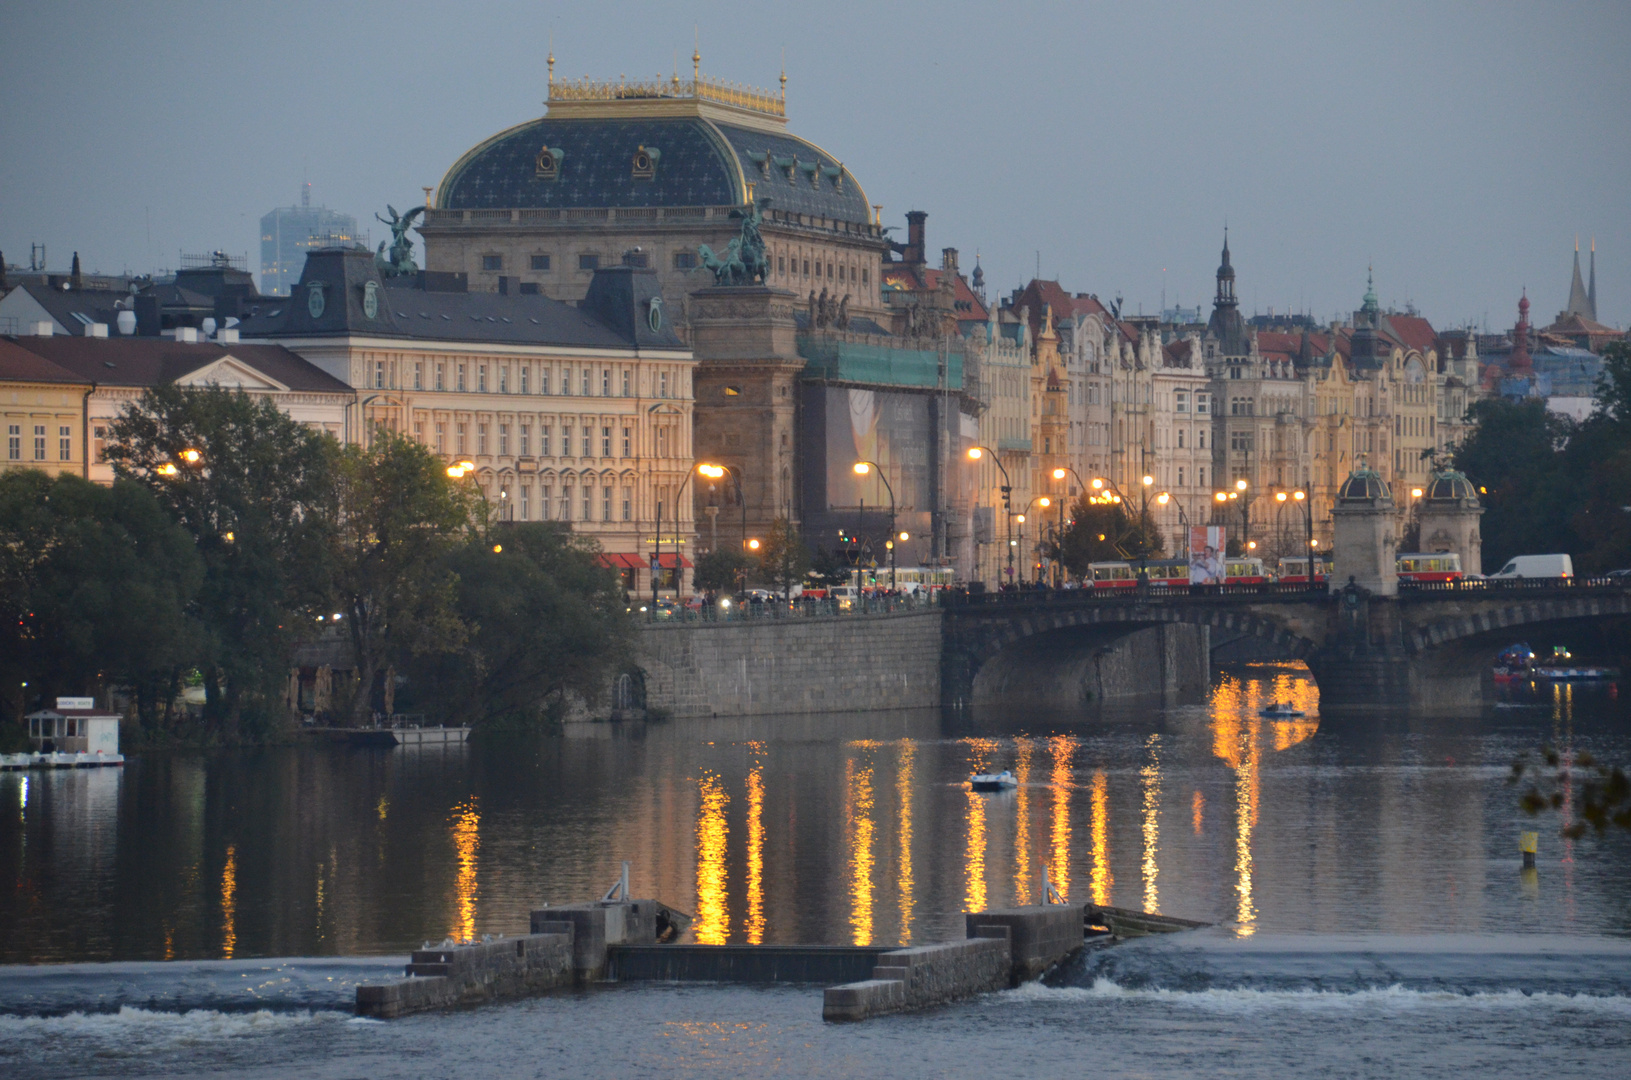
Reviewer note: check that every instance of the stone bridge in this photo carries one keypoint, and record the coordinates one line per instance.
(1428, 646)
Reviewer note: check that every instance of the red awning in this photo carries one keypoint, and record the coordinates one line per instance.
(666, 560)
(620, 562)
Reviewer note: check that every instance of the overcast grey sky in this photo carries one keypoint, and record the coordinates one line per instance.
(1459, 147)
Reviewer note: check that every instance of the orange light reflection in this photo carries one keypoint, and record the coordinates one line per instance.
(756, 848)
(1150, 778)
(713, 924)
(466, 840)
(1103, 879)
(229, 904)
(903, 790)
(858, 782)
(1063, 748)
(1022, 817)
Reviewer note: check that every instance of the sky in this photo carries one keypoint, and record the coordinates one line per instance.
(1457, 148)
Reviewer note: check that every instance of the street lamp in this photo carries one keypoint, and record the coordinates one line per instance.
(1308, 515)
(1036, 500)
(975, 453)
(862, 468)
(1060, 474)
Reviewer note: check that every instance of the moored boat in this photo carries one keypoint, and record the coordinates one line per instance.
(993, 781)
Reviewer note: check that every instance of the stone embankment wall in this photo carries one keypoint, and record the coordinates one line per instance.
(467, 974)
(1067, 669)
(792, 665)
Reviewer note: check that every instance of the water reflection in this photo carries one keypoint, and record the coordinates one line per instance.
(756, 847)
(860, 828)
(466, 838)
(1063, 749)
(229, 904)
(1150, 780)
(905, 884)
(825, 830)
(713, 921)
(1104, 879)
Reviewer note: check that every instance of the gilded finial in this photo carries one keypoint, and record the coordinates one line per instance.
(696, 57)
(552, 58)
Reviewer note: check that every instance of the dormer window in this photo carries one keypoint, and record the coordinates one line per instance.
(547, 166)
(645, 163)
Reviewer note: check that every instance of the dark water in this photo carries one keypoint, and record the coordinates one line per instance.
(1373, 918)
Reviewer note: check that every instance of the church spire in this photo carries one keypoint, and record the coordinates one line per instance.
(1591, 290)
(1370, 306)
(1579, 303)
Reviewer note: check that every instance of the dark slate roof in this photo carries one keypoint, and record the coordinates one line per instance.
(95, 305)
(615, 314)
(700, 163)
(145, 361)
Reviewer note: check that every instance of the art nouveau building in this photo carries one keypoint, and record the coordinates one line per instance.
(574, 413)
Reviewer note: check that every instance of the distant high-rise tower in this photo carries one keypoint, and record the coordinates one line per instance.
(288, 232)
(1581, 301)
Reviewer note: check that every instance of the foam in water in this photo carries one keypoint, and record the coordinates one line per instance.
(132, 1029)
(1240, 1000)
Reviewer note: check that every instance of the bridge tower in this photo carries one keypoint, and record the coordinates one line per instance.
(1449, 519)
(1366, 547)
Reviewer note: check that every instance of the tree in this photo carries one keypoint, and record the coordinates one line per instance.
(545, 619)
(721, 570)
(1514, 455)
(1102, 531)
(399, 519)
(95, 589)
(783, 560)
(254, 488)
(829, 569)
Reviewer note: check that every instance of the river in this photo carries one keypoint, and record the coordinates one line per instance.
(1363, 875)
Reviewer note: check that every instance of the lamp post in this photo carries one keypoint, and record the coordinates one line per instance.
(1146, 482)
(975, 453)
(862, 468)
(1308, 516)
(1239, 493)
(1036, 500)
(1060, 474)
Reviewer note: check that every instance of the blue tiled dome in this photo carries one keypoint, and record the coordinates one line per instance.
(694, 161)
(1451, 486)
(1364, 484)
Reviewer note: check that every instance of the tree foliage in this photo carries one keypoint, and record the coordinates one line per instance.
(1106, 532)
(783, 560)
(721, 570)
(1600, 793)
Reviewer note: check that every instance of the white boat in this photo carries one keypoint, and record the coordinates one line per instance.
(993, 781)
(1281, 710)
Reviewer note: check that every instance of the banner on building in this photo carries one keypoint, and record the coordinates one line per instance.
(1207, 547)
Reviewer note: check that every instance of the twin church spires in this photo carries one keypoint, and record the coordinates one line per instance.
(1583, 300)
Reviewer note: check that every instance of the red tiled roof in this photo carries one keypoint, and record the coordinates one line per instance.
(1178, 353)
(18, 364)
(1411, 331)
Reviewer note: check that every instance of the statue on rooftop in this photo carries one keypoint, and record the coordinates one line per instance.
(744, 261)
(400, 260)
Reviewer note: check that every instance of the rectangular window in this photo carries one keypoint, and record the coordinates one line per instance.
(605, 442)
(504, 379)
(606, 503)
(441, 438)
(1180, 401)
(781, 264)
(1203, 476)
(1180, 476)
(685, 260)
(545, 493)
(524, 369)
(605, 382)
(663, 389)
(806, 267)
(588, 262)
(626, 385)
(626, 444)
(588, 503)
(503, 440)
(543, 440)
(526, 440)
(588, 441)
(543, 381)
(458, 433)
(439, 384)
(418, 375)
(539, 262)
(585, 381)
(65, 444)
(481, 438)
(1201, 438)
(864, 276)
(492, 262)
(628, 504)
(566, 440)
(526, 502)
(99, 436)
(379, 374)
(461, 379)
(1203, 403)
(481, 379)
(566, 502)
(39, 442)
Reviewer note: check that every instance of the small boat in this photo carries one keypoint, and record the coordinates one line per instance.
(1280, 710)
(1001, 781)
(1559, 673)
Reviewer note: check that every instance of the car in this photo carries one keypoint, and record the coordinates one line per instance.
(1537, 566)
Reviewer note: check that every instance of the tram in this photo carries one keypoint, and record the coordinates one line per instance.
(1434, 566)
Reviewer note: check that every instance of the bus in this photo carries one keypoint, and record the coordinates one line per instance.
(1294, 570)
(1430, 566)
(1244, 571)
(1124, 575)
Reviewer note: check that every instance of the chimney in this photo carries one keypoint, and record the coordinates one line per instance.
(96, 329)
(75, 281)
(915, 252)
(948, 260)
(227, 335)
(2, 271)
(186, 334)
(43, 328)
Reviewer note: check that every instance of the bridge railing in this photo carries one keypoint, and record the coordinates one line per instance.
(1153, 591)
(1501, 585)
(800, 608)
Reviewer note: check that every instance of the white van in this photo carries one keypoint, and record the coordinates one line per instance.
(1537, 566)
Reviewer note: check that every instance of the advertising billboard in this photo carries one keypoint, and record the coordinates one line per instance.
(1207, 546)
(890, 429)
